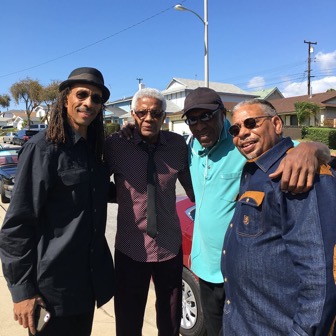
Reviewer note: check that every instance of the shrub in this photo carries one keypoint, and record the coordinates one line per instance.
(321, 134)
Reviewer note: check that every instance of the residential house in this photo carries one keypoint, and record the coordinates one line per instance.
(179, 88)
(269, 94)
(326, 101)
(12, 118)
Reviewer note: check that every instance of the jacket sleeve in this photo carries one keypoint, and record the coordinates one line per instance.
(302, 232)
(19, 234)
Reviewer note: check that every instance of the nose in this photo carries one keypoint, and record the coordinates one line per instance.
(199, 125)
(243, 131)
(148, 116)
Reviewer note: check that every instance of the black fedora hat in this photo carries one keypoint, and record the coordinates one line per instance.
(87, 76)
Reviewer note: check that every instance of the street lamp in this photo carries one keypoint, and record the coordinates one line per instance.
(206, 48)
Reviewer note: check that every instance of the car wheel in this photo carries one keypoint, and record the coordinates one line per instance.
(192, 320)
(4, 199)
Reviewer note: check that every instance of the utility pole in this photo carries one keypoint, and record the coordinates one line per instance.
(310, 50)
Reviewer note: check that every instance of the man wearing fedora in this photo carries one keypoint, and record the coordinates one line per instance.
(52, 243)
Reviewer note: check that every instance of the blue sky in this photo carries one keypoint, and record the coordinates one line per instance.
(252, 44)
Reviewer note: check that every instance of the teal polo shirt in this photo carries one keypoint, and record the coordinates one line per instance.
(216, 177)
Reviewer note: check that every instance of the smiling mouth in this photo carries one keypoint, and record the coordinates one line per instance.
(248, 145)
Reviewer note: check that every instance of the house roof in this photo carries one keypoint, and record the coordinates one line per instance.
(114, 111)
(285, 105)
(264, 94)
(191, 84)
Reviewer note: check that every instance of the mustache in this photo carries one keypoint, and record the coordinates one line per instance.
(85, 109)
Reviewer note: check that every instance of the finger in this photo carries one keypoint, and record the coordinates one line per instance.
(293, 181)
(31, 324)
(25, 321)
(275, 174)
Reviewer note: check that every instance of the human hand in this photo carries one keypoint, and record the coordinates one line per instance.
(24, 312)
(298, 168)
(127, 131)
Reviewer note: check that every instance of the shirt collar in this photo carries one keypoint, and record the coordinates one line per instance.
(266, 160)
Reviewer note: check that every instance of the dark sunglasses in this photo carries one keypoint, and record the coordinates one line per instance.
(193, 120)
(96, 98)
(249, 123)
(155, 114)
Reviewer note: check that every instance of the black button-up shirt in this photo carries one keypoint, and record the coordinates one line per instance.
(53, 238)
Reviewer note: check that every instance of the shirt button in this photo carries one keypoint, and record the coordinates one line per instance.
(94, 189)
(225, 280)
(228, 302)
(224, 252)
(231, 225)
(94, 210)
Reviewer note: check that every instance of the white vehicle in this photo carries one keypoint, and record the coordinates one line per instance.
(38, 127)
(8, 137)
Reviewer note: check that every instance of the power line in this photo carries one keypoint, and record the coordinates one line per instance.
(91, 44)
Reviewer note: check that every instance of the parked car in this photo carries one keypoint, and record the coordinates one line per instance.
(192, 320)
(8, 137)
(38, 127)
(8, 163)
(23, 136)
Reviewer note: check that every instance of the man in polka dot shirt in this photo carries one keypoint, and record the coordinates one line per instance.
(139, 256)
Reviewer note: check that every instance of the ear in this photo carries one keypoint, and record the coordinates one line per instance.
(277, 123)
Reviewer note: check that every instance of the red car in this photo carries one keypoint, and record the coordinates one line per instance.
(192, 320)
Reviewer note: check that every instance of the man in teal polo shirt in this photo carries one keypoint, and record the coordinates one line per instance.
(216, 166)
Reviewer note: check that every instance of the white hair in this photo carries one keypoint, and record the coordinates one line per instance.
(149, 92)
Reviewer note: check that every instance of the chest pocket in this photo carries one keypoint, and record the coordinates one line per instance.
(74, 176)
(75, 185)
(249, 218)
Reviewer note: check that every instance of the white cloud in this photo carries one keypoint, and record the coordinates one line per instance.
(317, 86)
(326, 62)
(256, 83)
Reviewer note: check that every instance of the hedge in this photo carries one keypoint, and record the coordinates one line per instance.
(111, 128)
(321, 134)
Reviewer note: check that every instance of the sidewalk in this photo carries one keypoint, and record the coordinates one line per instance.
(103, 323)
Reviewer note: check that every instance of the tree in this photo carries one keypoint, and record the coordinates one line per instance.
(305, 109)
(29, 91)
(49, 95)
(5, 100)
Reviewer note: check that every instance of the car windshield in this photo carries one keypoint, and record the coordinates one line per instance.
(8, 158)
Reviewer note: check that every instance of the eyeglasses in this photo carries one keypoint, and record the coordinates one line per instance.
(249, 123)
(155, 114)
(96, 98)
(193, 120)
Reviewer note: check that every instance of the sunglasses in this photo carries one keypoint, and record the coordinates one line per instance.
(204, 117)
(249, 123)
(155, 114)
(96, 98)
